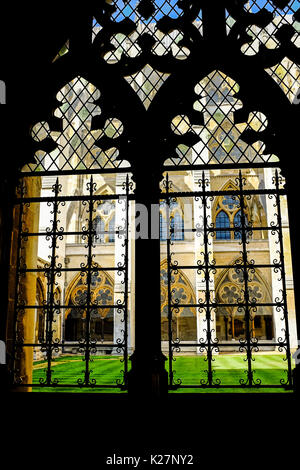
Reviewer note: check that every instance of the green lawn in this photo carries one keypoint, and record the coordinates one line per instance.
(230, 369)
(106, 370)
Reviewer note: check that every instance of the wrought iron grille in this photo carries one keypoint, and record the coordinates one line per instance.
(241, 301)
(91, 304)
(275, 23)
(74, 146)
(151, 87)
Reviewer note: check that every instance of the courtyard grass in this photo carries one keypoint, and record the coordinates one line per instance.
(106, 370)
(268, 370)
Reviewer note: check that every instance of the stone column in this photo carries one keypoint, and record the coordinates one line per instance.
(289, 276)
(279, 324)
(199, 250)
(120, 216)
(131, 280)
(27, 286)
(44, 250)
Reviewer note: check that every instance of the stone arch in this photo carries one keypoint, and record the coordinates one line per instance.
(184, 322)
(101, 317)
(176, 218)
(40, 314)
(254, 209)
(230, 320)
(108, 219)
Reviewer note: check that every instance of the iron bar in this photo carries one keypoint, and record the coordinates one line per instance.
(79, 269)
(80, 307)
(87, 345)
(50, 285)
(79, 171)
(284, 294)
(175, 267)
(67, 198)
(77, 345)
(237, 304)
(16, 320)
(170, 313)
(206, 263)
(126, 284)
(219, 166)
(225, 192)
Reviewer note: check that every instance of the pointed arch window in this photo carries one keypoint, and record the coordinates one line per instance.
(162, 227)
(183, 319)
(104, 223)
(101, 315)
(66, 178)
(222, 221)
(91, 138)
(177, 227)
(237, 222)
(176, 219)
(230, 321)
(228, 215)
(112, 228)
(99, 227)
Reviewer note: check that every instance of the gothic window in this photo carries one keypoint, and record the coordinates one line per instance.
(112, 228)
(222, 221)
(228, 215)
(163, 231)
(68, 214)
(99, 227)
(168, 108)
(230, 320)
(104, 222)
(176, 221)
(101, 314)
(237, 222)
(177, 227)
(183, 319)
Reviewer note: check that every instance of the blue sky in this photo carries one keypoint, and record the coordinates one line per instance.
(169, 8)
(173, 11)
(293, 6)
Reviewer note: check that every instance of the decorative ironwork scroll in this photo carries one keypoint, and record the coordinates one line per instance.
(241, 301)
(149, 87)
(91, 301)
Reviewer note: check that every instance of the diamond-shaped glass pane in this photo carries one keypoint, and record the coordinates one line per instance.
(64, 50)
(281, 13)
(146, 83)
(221, 139)
(287, 75)
(77, 146)
(128, 44)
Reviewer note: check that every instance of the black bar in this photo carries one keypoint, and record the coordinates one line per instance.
(226, 192)
(95, 197)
